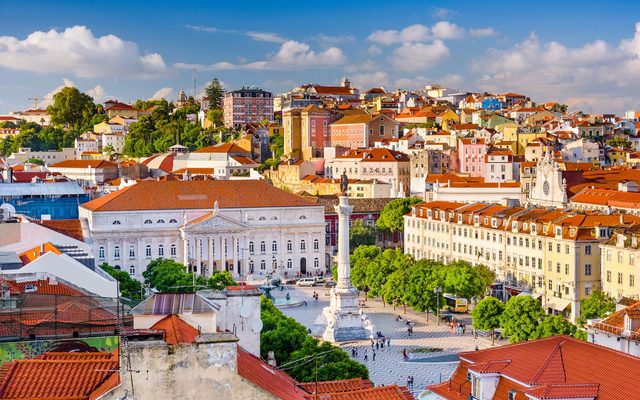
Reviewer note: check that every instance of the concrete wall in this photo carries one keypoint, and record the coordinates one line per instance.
(204, 370)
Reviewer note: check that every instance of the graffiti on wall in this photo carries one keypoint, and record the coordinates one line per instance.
(30, 349)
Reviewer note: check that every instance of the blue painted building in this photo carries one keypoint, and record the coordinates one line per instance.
(60, 200)
(491, 103)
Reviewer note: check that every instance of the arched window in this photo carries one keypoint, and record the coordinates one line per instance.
(132, 270)
(147, 222)
(316, 244)
(117, 267)
(101, 253)
(173, 221)
(316, 263)
(302, 217)
(116, 222)
(251, 266)
(132, 251)
(274, 246)
(160, 221)
(289, 263)
(274, 218)
(263, 264)
(161, 250)
(262, 219)
(303, 245)
(251, 249)
(116, 252)
(289, 246)
(147, 251)
(263, 247)
(173, 250)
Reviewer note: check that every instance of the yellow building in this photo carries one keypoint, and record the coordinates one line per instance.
(447, 118)
(554, 254)
(619, 257)
(291, 122)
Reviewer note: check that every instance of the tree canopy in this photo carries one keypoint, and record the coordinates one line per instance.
(486, 315)
(464, 280)
(215, 93)
(71, 108)
(521, 317)
(392, 215)
(361, 235)
(597, 305)
(424, 276)
(553, 325)
(129, 287)
(166, 275)
(395, 289)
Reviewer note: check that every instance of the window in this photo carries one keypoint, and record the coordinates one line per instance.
(147, 251)
(173, 221)
(274, 247)
(632, 259)
(587, 249)
(632, 280)
(608, 255)
(160, 221)
(550, 284)
(289, 264)
(101, 253)
(289, 246)
(173, 250)
(587, 269)
(147, 222)
(609, 276)
(251, 248)
(620, 278)
(566, 249)
(116, 222)
(303, 245)
(116, 252)
(263, 247)
(262, 219)
(263, 264)
(316, 244)
(132, 270)
(566, 269)
(132, 251)
(316, 263)
(302, 217)
(619, 257)
(161, 250)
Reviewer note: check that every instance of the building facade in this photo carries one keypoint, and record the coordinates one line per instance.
(245, 227)
(247, 105)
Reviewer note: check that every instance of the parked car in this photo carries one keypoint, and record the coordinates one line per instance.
(320, 280)
(306, 282)
(330, 284)
(288, 281)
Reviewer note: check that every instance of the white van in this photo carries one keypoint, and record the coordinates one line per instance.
(306, 282)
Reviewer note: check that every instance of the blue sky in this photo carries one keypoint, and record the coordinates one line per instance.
(583, 53)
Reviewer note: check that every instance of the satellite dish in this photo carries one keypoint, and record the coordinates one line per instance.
(246, 310)
(256, 325)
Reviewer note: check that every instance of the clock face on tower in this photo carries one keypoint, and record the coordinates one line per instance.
(545, 188)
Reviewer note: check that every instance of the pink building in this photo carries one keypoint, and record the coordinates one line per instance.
(471, 152)
(362, 130)
(247, 105)
(315, 123)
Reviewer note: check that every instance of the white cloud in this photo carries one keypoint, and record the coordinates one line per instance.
(441, 12)
(98, 93)
(365, 81)
(412, 33)
(452, 80)
(447, 30)
(291, 55)
(596, 75)
(419, 56)
(328, 40)
(266, 37)
(483, 32)
(163, 93)
(47, 99)
(77, 51)
(374, 50)
(414, 82)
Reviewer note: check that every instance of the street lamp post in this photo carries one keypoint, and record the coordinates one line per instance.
(437, 292)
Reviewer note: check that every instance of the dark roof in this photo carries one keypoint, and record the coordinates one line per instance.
(359, 205)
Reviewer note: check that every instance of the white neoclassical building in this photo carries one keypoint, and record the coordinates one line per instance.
(243, 226)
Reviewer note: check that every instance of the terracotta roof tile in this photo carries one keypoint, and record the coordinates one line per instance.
(176, 330)
(175, 195)
(84, 164)
(267, 377)
(391, 392)
(32, 254)
(68, 227)
(345, 385)
(223, 148)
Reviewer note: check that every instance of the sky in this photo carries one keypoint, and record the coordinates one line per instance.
(582, 53)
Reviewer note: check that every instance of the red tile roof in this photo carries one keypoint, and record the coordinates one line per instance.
(223, 148)
(84, 164)
(332, 90)
(175, 195)
(345, 385)
(607, 197)
(391, 392)
(32, 254)
(176, 330)
(555, 366)
(41, 286)
(265, 376)
(81, 378)
(68, 227)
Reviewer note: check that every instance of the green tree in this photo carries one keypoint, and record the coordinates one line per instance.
(521, 317)
(553, 325)
(394, 290)
(276, 146)
(170, 276)
(486, 315)
(379, 270)
(214, 92)
(129, 287)
(215, 115)
(487, 275)
(597, 305)
(71, 108)
(34, 160)
(361, 235)
(392, 215)
(424, 276)
(464, 280)
(359, 261)
(220, 280)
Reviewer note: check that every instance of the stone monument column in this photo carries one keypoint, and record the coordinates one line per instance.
(344, 267)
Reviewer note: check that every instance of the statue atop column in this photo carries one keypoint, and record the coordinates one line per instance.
(344, 183)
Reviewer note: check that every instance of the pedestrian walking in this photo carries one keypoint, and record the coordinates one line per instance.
(408, 381)
(409, 331)
(404, 354)
(388, 342)
(464, 328)
(382, 344)
(366, 357)
(374, 356)
(377, 345)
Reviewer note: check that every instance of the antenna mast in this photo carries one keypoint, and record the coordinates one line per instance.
(35, 102)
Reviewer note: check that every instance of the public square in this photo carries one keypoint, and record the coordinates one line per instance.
(389, 366)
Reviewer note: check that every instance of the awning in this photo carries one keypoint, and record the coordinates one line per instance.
(558, 304)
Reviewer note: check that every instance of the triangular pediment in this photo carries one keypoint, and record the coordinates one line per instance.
(213, 221)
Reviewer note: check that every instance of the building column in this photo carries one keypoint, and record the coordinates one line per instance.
(185, 250)
(223, 255)
(198, 249)
(235, 255)
(210, 255)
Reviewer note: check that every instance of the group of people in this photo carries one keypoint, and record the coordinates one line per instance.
(354, 354)
(410, 381)
(458, 327)
(315, 295)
